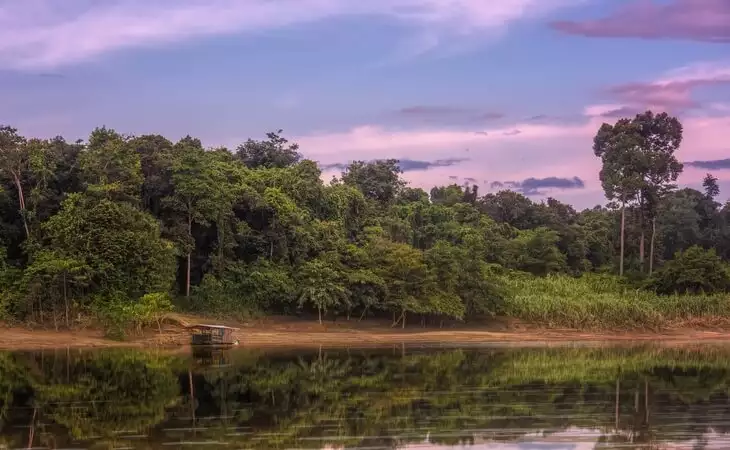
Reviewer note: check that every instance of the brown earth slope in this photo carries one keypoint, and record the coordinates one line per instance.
(289, 332)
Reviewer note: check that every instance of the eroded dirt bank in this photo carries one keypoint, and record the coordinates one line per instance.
(285, 332)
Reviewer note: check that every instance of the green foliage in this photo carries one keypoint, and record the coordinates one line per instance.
(535, 251)
(119, 222)
(694, 270)
(120, 245)
(119, 314)
(320, 285)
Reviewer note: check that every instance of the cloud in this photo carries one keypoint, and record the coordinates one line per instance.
(410, 165)
(716, 164)
(424, 110)
(621, 111)
(512, 132)
(453, 177)
(537, 186)
(406, 165)
(47, 33)
(692, 20)
(672, 92)
(436, 113)
(471, 180)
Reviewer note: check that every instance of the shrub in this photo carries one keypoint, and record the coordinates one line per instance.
(118, 314)
(694, 270)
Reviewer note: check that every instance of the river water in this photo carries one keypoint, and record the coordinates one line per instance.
(507, 398)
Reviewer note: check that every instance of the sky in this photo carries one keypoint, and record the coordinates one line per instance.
(499, 93)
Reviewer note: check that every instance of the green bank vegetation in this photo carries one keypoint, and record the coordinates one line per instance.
(386, 397)
(119, 228)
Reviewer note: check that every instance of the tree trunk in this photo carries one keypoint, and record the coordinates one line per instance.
(65, 299)
(641, 248)
(642, 235)
(364, 311)
(319, 313)
(21, 201)
(618, 396)
(187, 275)
(623, 224)
(651, 245)
(192, 398)
(31, 428)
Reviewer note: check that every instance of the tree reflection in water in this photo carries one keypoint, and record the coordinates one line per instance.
(387, 398)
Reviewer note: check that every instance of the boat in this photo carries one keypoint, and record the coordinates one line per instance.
(202, 334)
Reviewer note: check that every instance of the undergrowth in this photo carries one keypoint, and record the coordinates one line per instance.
(606, 302)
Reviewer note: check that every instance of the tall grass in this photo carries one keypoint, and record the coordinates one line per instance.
(605, 302)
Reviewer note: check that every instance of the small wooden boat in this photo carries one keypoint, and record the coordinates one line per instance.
(212, 335)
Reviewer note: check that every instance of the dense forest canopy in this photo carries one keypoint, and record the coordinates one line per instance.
(122, 225)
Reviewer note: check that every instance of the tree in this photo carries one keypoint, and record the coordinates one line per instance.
(13, 162)
(320, 285)
(693, 270)
(271, 153)
(110, 167)
(509, 207)
(660, 136)
(535, 251)
(202, 192)
(619, 147)
(709, 183)
(379, 180)
(56, 278)
(119, 244)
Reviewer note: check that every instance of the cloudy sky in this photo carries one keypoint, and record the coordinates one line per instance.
(497, 93)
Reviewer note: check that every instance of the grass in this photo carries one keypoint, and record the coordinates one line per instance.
(605, 302)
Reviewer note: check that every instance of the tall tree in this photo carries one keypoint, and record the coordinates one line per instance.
(14, 161)
(203, 191)
(660, 136)
(619, 147)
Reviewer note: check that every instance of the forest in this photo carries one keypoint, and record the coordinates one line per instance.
(122, 229)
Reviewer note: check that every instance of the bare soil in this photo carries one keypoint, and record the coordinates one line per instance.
(293, 332)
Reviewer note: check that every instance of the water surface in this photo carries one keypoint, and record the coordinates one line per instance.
(396, 397)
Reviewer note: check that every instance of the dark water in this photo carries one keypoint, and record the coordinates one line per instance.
(399, 397)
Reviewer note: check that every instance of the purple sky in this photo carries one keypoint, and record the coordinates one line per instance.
(497, 93)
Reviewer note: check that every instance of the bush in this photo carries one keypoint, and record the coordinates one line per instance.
(694, 270)
(119, 314)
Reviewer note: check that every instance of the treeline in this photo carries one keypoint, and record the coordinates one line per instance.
(123, 225)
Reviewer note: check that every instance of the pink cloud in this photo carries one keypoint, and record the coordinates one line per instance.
(672, 93)
(696, 20)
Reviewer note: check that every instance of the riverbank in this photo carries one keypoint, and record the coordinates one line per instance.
(288, 332)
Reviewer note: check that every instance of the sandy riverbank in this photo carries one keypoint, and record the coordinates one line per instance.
(286, 332)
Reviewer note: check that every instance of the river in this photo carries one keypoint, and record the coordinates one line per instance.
(481, 397)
